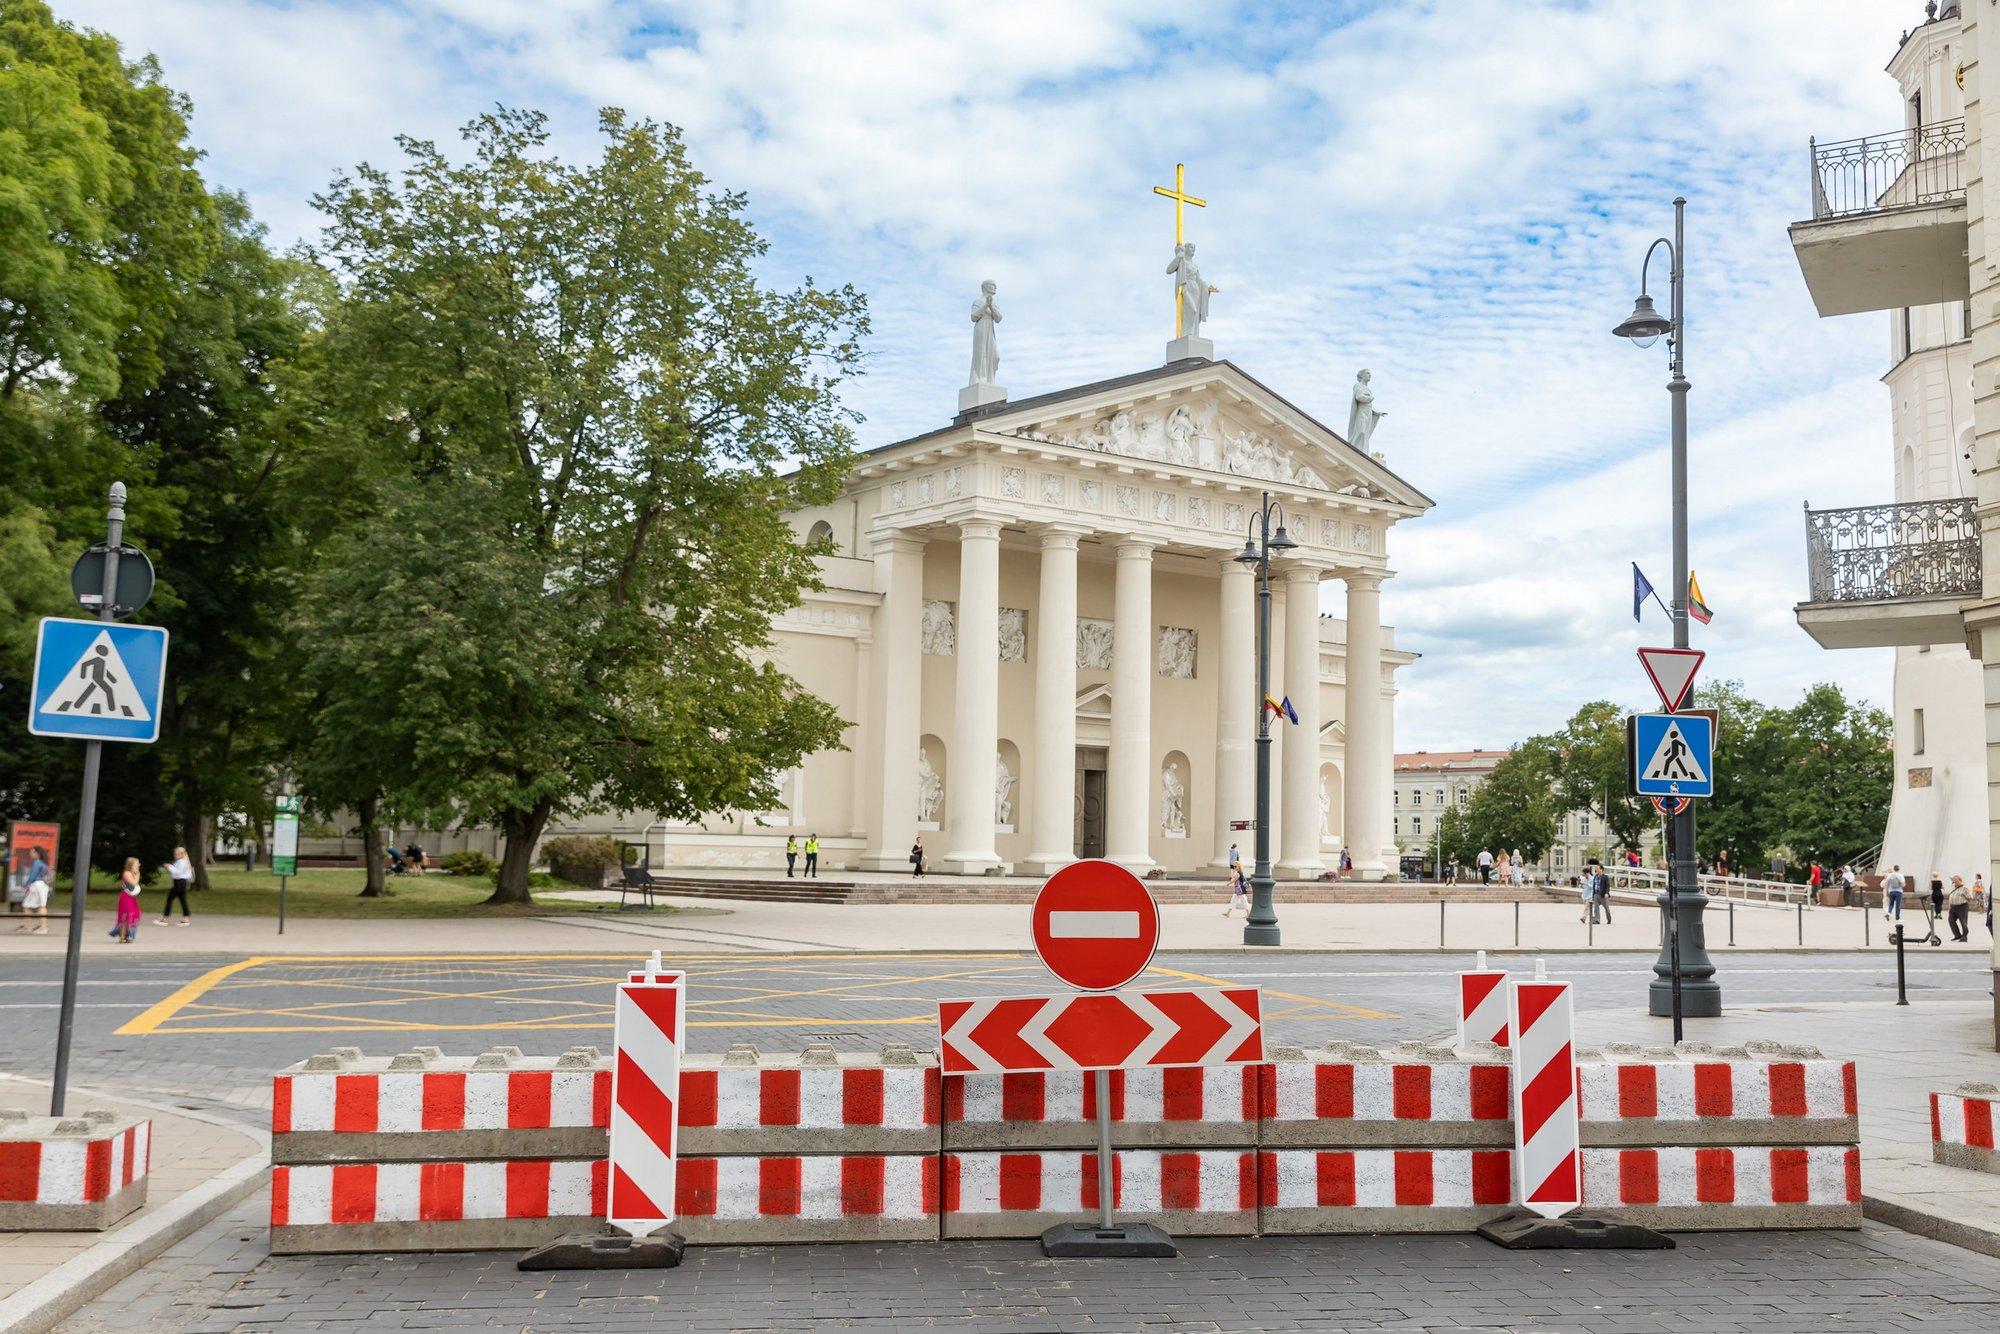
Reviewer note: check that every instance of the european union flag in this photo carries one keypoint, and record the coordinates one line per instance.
(1641, 590)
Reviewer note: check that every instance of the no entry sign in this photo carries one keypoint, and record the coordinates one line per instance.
(1095, 925)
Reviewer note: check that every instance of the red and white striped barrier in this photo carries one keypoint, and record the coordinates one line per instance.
(648, 1019)
(1963, 1125)
(1382, 1190)
(1726, 1188)
(1210, 1192)
(388, 1101)
(809, 1198)
(1718, 1101)
(844, 1106)
(72, 1174)
(1546, 1139)
(1188, 1107)
(1482, 1006)
(1336, 1100)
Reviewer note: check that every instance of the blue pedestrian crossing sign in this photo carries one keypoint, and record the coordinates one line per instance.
(98, 680)
(1673, 755)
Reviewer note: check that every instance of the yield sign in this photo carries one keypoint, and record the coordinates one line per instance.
(1095, 925)
(1198, 1026)
(1671, 670)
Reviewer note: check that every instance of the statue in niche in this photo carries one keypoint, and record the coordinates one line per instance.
(1173, 801)
(1003, 791)
(985, 342)
(930, 789)
(1191, 290)
(1180, 431)
(1325, 811)
(1363, 416)
(940, 636)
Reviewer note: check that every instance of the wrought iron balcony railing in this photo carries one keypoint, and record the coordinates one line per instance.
(1889, 171)
(1925, 549)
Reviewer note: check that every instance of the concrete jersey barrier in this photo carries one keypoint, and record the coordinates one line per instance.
(1347, 1095)
(1963, 1126)
(1760, 1093)
(1190, 1107)
(72, 1174)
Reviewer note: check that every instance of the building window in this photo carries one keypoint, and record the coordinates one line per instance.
(1416, 796)
(1395, 825)
(1965, 319)
(1461, 796)
(1583, 825)
(1416, 824)
(1399, 796)
(1916, 732)
(1439, 794)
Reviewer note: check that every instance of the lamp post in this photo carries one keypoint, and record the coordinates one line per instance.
(1683, 976)
(1258, 545)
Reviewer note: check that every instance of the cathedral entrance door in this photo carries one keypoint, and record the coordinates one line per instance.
(1091, 764)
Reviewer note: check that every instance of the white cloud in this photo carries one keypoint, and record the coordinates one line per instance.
(1456, 195)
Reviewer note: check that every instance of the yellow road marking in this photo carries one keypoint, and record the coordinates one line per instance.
(1352, 1011)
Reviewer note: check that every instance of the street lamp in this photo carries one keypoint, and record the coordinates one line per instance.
(1258, 546)
(1683, 976)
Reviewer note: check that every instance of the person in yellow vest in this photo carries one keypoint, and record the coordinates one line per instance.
(812, 855)
(791, 854)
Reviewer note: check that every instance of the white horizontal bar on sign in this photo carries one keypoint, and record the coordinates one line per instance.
(1094, 925)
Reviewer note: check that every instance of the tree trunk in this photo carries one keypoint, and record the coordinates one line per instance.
(371, 848)
(194, 836)
(522, 830)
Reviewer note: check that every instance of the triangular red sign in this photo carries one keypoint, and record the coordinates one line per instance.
(1671, 670)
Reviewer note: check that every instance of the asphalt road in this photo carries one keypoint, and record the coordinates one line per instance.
(210, 1031)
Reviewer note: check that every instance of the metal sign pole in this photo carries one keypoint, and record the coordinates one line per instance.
(1104, 1149)
(282, 881)
(86, 821)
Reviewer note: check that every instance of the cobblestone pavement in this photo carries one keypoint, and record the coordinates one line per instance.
(171, 1027)
(1877, 1279)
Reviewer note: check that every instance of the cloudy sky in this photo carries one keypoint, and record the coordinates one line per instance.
(1453, 193)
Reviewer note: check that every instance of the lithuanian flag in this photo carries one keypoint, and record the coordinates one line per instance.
(1696, 607)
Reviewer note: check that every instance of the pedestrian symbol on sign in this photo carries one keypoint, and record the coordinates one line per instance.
(98, 685)
(1672, 755)
(97, 680)
(1672, 761)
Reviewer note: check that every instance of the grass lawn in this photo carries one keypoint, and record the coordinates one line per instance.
(319, 892)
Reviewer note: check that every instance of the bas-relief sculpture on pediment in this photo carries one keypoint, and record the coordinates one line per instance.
(1196, 434)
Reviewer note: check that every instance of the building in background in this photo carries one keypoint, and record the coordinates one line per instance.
(1892, 575)
(1431, 782)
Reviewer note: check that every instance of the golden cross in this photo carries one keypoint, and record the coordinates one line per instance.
(1181, 197)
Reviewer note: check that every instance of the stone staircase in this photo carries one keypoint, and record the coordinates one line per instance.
(968, 889)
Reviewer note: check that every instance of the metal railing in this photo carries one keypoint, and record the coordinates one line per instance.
(1749, 889)
(1880, 172)
(1925, 549)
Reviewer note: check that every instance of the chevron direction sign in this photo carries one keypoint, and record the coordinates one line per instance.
(1107, 1031)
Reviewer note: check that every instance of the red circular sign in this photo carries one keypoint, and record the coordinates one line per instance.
(1096, 925)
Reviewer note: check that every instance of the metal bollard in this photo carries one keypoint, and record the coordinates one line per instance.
(1517, 924)
(1440, 923)
(1732, 921)
(1864, 923)
(1902, 994)
(1802, 925)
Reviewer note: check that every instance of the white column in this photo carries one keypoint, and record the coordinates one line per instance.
(1129, 801)
(975, 742)
(864, 667)
(1368, 760)
(1236, 712)
(895, 686)
(1300, 855)
(1392, 856)
(1052, 795)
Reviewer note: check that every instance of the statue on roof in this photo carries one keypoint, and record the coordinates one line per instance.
(1192, 291)
(1363, 415)
(985, 341)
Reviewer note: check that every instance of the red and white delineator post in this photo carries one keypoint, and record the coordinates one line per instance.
(1482, 1005)
(1548, 1177)
(649, 1026)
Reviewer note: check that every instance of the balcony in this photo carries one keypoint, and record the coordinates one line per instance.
(1888, 227)
(1882, 575)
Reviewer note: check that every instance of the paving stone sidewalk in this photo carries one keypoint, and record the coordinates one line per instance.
(1719, 1283)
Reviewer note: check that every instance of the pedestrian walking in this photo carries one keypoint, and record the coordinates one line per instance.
(917, 858)
(791, 854)
(180, 877)
(35, 892)
(1235, 859)
(1239, 892)
(812, 856)
(1485, 867)
(1586, 888)
(1346, 863)
(125, 929)
(1892, 894)
(1603, 895)
(1815, 877)
(1958, 909)
(1519, 867)
(1937, 895)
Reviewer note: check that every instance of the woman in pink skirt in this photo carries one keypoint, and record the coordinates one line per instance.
(127, 928)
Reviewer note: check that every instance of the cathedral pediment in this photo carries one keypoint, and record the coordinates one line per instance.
(1221, 421)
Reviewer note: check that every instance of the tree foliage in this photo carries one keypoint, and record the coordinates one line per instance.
(589, 419)
(1516, 809)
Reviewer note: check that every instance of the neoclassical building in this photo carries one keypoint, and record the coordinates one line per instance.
(1036, 629)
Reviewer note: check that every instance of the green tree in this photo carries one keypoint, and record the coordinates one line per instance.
(1837, 775)
(591, 419)
(1593, 771)
(1742, 818)
(1515, 808)
(1451, 836)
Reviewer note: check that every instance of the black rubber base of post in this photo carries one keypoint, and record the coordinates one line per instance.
(1572, 1232)
(615, 1250)
(1120, 1241)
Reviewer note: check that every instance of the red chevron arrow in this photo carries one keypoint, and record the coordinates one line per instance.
(1114, 1031)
